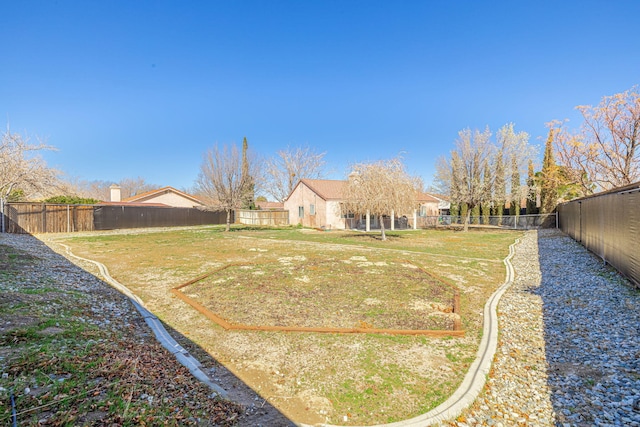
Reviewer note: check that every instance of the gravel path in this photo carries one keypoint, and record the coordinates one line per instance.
(569, 342)
(48, 285)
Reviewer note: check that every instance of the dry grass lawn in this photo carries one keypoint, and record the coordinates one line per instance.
(307, 277)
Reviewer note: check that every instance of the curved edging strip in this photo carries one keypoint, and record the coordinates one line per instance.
(464, 396)
(167, 341)
(475, 378)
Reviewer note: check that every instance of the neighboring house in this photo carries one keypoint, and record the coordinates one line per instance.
(317, 203)
(444, 206)
(429, 205)
(270, 206)
(166, 196)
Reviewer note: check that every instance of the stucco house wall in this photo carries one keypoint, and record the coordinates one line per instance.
(167, 196)
(325, 212)
(326, 195)
(172, 199)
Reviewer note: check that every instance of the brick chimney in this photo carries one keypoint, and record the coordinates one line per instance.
(115, 193)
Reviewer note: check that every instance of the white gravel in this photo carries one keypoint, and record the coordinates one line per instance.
(569, 342)
(569, 347)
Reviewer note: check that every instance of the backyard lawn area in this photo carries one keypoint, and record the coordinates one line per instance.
(309, 278)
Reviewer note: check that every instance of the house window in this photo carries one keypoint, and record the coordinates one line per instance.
(423, 211)
(300, 211)
(312, 209)
(344, 213)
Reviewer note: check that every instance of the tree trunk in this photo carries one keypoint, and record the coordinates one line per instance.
(228, 227)
(466, 221)
(384, 236)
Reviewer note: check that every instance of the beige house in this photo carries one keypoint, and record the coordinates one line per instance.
(166, 196)
(317, 203)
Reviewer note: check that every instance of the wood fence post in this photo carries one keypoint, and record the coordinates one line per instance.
(456, 310)
(44, 218)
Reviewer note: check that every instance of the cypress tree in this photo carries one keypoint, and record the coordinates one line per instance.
(531, 190)
(486, 203)
(500, 187)
(464, 208)
(247, 197)
(475, 214)
(549, 177)
(454, 211)
(515, 188)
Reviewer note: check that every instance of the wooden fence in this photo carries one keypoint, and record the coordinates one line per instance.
(47, 218)
(267, 217)
(33, 218)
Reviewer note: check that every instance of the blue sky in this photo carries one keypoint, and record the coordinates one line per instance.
(144, 88)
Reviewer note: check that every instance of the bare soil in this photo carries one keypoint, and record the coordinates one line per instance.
(313, 378)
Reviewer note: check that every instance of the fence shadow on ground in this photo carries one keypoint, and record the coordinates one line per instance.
(260, 411)
(590, 334)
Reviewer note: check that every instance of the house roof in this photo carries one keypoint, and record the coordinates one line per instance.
(270, 205)
(146, 205)
(325, 188)
(427, 198)
(333, 189)
(154, 193)
(439, 197)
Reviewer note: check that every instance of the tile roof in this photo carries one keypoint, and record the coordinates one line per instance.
(332, 189)
(326, 188)
(150, 194)
(426, 198)
(270, 205)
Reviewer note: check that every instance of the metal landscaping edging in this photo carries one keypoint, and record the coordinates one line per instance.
(463, 397)
(476, 377)
(223, 323)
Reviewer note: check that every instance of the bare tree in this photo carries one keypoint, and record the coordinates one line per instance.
(289, 166)
(221, 179)
(130, 187)
(381, 188)
(476, 173)
(22, 169)
(605, 152)
(98, 189)
(465, 170)
(516, 152)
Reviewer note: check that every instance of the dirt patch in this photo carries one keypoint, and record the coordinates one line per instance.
(310, 293)
(368, 378)
(73, 351)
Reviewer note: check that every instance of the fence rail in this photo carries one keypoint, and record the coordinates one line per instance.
(608, 224)
(262, 217)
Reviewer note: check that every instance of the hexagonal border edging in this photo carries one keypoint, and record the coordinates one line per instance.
(220, 321)
(476, 376)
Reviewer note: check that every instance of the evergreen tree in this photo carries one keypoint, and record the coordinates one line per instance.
(247, 198)
(454, 211)
(549, 177)
(464, 208)
(515, 188)
(499, 187)
(486, 203)
(475, 214)
(531, 190)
